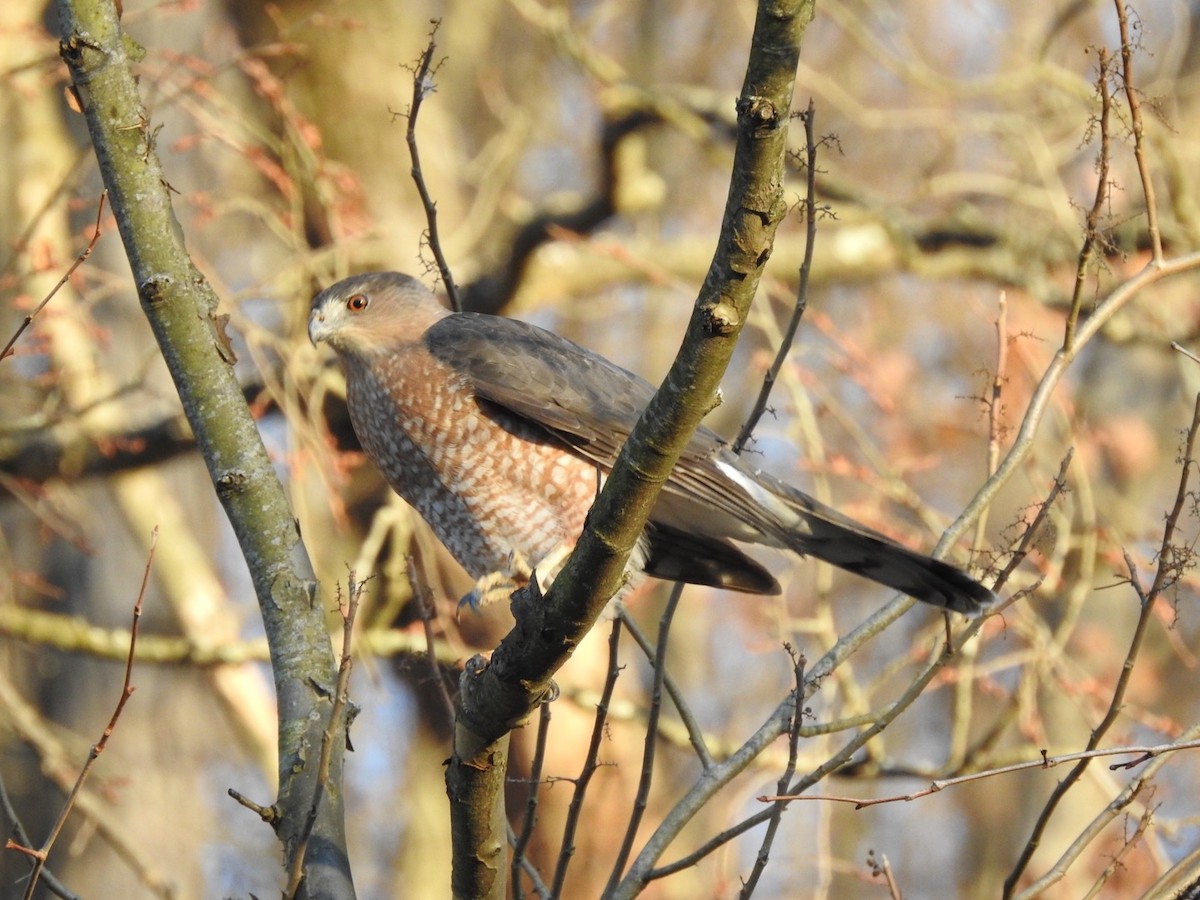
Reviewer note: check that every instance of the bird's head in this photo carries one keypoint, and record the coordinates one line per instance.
(371, 314)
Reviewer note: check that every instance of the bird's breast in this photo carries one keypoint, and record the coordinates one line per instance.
(488, 482)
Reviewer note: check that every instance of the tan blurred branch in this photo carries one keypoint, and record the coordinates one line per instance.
(72, 634)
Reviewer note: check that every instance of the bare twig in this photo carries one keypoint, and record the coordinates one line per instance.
(764, 849)
(20, 842)
(127, 690)
(1025, 544)
(642, 798)
(79, 261)
(1101, 821)
(789, 336)
(521, 843)
(1167, 568)
(1091, 226)
(591, 761)
(720, 774)
(1144, 752)
(695, 731)
(1042, 395)
(882, 866)
(423, 85)
(1139, 144)
(994, 403)
(338, 727)
(1175, 345)
(424, 604)
(1116, 863)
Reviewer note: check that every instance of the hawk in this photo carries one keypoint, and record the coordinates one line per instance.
(500, 434)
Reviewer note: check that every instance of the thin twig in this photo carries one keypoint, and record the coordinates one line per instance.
(641, 872)
(79, 261)
(338, 727)
(1115, 864)
(1175, 345)
(994, 404)
(1166, 569)
(882, 866)
(421, 596)
(1132, 96)
(789, 335)
(127, 690)
(527, 866)
(591, 761)
(423, 85)
(642, 798)
(20, 842)
(1031, 534)
(1091, 226)
(687, 718)
(1144, 753)
(531, 804)
(1043, 393)
(1100, 822)
(764, 849)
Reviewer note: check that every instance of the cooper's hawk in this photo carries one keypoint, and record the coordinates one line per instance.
(499, 433)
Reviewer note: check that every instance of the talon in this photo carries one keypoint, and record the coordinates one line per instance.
(496, 586)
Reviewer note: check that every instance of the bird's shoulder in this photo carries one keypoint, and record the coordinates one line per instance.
(552, 381)
(538, 374)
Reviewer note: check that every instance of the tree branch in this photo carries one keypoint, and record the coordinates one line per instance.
(496, 696)
(181, 309)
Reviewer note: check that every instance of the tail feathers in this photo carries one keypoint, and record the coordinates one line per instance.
(839, 541)
(677, 555)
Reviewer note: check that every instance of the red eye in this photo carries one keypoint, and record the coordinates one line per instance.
(357, 302)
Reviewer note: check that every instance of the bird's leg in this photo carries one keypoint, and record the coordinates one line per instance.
(551, 564)
(499, 585)
(516, 574)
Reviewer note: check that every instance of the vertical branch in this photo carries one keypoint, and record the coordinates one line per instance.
(423, 85)
(801, 304)
(590, 763)
(1139, 143)
(531, 804)
(781, 786)
(642, 798)
(1091, 227)
(995, 404)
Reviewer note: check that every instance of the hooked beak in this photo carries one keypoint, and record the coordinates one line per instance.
(317, 329)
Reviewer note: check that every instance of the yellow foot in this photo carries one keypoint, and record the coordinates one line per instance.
(499, 585)
(516, 575)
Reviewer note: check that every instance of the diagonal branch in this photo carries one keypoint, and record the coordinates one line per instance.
(181, 309)
(497, 695)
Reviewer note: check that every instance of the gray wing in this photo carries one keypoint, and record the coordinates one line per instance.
(587, 401)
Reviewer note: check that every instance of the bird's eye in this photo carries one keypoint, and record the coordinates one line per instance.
(357, 302)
